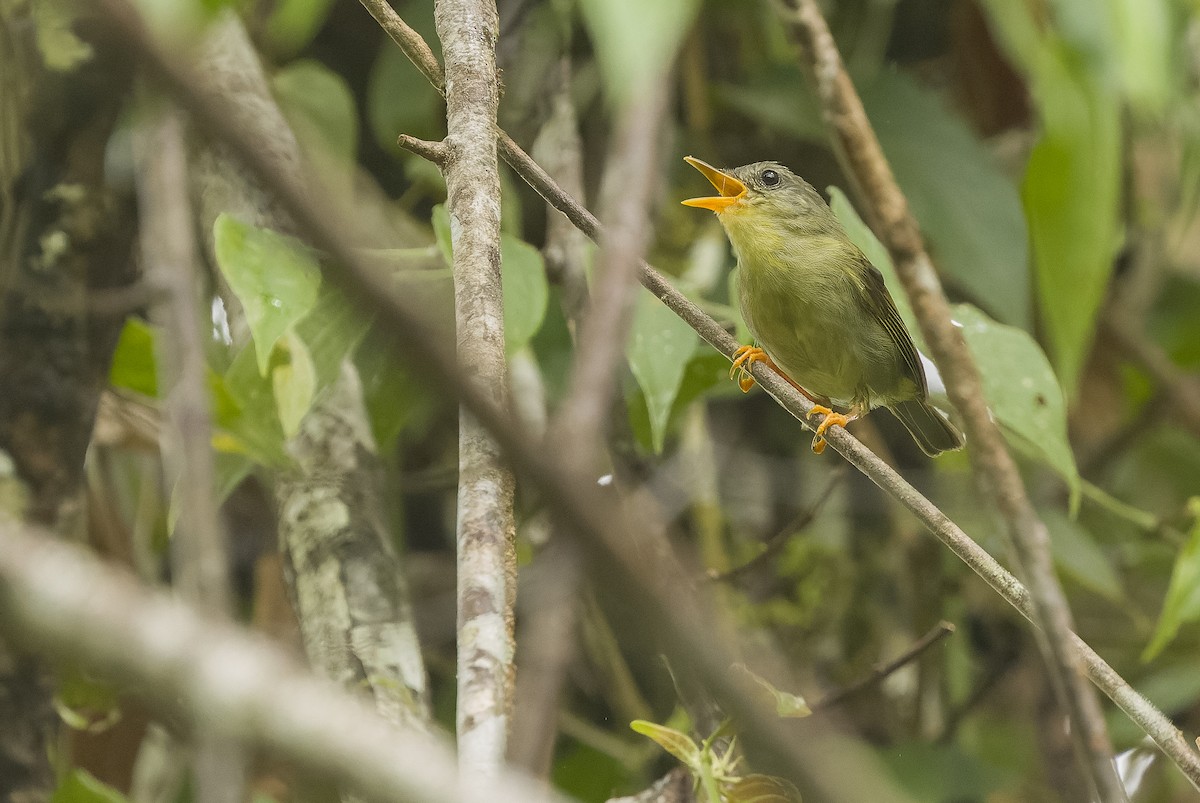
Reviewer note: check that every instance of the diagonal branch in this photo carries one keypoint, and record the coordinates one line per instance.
(612, 540)
(863, 159)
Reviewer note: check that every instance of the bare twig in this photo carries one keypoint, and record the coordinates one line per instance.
(64, 602)
(881, 671)
(199, 549)
(864, 160)
(611, 540)
(487, 564)
(436, 152)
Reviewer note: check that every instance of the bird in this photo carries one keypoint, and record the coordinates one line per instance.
(819, 311)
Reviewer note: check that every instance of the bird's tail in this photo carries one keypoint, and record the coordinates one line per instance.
(932, 431)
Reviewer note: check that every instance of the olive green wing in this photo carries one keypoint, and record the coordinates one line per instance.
(879, 304)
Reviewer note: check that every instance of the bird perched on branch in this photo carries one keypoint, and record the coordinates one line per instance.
(817, 307)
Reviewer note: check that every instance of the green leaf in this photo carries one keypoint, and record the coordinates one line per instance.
(525, 291)
(85, 703)
(133, 363)
(635, 39)
(332, 332)
(293, 382)
(60, 48)
(80, 786)
(394, 399)
(1072, 182)
(659, 347)
(969, 210)
(274, 277)
(1182, 603)
(252, 419)
(401, 100)
(1076, 552)
(862, 236)
(318, 103)
(1022, 391)
(787, 705)
(762, 789)
(294, 23)
(675, 742)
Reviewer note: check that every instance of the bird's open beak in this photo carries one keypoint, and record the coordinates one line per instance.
(730, 188)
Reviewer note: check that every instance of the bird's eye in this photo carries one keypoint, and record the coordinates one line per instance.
(770, 178)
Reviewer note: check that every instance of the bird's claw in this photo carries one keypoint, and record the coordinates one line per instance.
(831, 418)
(743, 358)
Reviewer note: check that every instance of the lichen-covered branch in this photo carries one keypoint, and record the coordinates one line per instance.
(487, 564)
(65, 603)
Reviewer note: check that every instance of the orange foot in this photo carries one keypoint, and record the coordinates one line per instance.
(831, 418)
(746, 356)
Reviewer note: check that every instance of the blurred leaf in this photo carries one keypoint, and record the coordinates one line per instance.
(635, 40)
(969, 210)
(942, 772)
(1076, 552)
(253, 420)
(399, 98)
(762, 789)
(231, 470)
(61, 50)
(778, 99)
(80, 786)
(862, 236)
(586, 773)
(1022, 392)
(85, 703)
(1072, 182)
(1182, 603)
(318, 102)
(293, 24)
(675, 742)
(525, 291)
(332, 332)
(787, 705)
(394, 398)
(133, 363)
(293, 382)
(440, 220)
(275, 277)
(659, 347)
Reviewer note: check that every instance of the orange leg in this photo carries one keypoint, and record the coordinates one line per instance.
(746, 356)
(831, 418)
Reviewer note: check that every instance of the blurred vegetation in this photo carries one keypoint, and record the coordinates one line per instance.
(1050, 150)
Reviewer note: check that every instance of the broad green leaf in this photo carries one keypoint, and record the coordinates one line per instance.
(293, 382)
(133, 363)
(675, 742)
(659, 347)
(275, 277)
(635, 39)
(80, 786)
(762, 789)
(1182, 603)
(317, 101)
(294, 23)
(394, 398)
(862, 236)
(1022, 392)
(1076, 552)
(969, 211)
(787, 705)
(1072, 183)
(525, 291)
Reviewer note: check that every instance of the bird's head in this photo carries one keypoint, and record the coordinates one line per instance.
(760, 193)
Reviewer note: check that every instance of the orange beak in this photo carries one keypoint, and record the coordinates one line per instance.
(730, 188)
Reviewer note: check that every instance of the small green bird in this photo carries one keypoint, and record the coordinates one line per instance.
(817, 306)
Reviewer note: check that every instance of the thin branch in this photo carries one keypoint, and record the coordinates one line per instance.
(864, 160)
(939, 632)
(61, 600)
(487, 563)
(435, 152)
(611, 540)
(200, 558)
